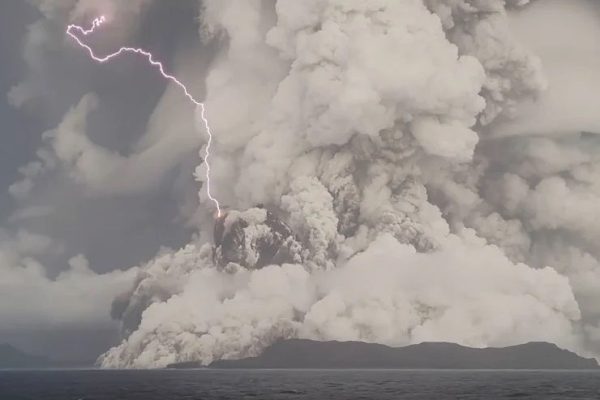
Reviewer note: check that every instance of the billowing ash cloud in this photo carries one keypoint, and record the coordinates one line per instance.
(387, 294)
(381, 177)
(392, 214)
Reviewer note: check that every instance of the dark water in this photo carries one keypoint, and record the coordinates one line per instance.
(298, 384)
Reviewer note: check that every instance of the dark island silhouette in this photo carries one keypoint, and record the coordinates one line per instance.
(297, 353)
(13, 358)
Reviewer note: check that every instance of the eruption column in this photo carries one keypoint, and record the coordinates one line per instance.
(72, 31)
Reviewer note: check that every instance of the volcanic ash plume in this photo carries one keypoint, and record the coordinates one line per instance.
(385, 213)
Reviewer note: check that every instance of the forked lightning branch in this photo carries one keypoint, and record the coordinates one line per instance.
(78, 34)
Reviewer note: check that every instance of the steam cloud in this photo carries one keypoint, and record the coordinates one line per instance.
(390, 147)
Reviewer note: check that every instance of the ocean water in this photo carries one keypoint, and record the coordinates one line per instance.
(297, 384)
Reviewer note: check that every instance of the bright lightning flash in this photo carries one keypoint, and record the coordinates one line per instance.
(77, 33)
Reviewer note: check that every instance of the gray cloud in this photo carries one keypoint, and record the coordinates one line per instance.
(113, 181)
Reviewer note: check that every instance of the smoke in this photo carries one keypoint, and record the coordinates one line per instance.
(394, 172)
(566, 50)
(387, 294)
(367, 129)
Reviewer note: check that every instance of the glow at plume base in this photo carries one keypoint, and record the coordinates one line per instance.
(73, 31)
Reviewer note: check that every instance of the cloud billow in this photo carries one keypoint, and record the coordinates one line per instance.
(381, 144)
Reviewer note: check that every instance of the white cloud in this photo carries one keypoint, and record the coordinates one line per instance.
(76, 298)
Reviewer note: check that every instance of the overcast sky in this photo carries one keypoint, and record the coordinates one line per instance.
(114, 231)
(20, 132)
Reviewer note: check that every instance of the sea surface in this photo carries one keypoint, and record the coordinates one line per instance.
(297, 384)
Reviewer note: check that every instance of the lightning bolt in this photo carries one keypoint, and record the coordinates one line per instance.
(74, 30)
